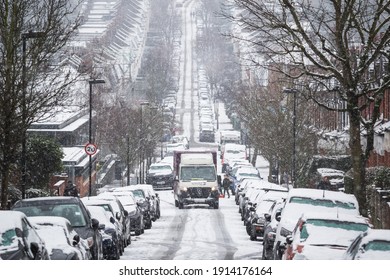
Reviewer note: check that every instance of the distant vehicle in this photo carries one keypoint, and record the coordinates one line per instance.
(206, 134)
(323, 236)
(18, 238)
(229, 136)
(335, 177)
(373, 244)
(71, 208)
(62, 241)
(196, 178)
(232, 151)
(181, 139)
(171, 147)
(160, 175)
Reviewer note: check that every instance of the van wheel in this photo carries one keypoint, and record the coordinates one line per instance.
(176, 203)
(181, 206)
(216, 205)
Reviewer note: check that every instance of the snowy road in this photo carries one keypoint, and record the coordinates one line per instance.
(197, 233)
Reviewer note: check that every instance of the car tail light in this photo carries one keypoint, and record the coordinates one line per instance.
(300, 248)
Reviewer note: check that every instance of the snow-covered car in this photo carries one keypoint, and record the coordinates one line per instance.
(335, 177)
(264, 205)
(231, 152)
(142, 198)
(160, 175)
(323, 236)
(62, 241)
(135, 212)
(241, 188)
(18, 238)
(271, 224)
(373, 244)
(243, 172)
(71, 208)
(111, 204)
(181, 139)
(305, 200)
(109, 230)
(153, 198)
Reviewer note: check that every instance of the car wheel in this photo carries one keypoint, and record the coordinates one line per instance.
(253, 234)
(263, 255)
(176, 203)
(216, 205)
(248, 228)
(181, 205)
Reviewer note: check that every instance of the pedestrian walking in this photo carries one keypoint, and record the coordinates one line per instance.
(324, 184)
(226, 185)
(219, 180)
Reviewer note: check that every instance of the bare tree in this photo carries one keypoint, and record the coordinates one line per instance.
(328, 46)
(33, 75)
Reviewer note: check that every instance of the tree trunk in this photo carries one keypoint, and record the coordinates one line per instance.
(4, 188)
(358, 164)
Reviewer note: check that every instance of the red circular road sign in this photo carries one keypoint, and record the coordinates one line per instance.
(90, 149)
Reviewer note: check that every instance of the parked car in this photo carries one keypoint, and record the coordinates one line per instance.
(111, 207)
(18, 238)
(109, 230)
(142, 198)
(135, 212)
(154, 200)
(206, 134)
(121, 214)
(265, 204)
(160, 175)
(271, 224)
(242, 187)
(71, 208)
(373, 244)
(243, 172)
(305, 200)
(181, 139)
(323, 236)
(62, 241)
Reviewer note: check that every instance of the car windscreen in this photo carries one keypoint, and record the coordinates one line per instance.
(193, 173)
(72, 212)
(160, 167)
(323, 202)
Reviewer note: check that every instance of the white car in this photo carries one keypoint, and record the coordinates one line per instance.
(373, 244)
(323, 236)
(304, 200)
(62, 241)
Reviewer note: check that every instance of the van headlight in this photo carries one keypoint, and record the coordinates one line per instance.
(214, 188)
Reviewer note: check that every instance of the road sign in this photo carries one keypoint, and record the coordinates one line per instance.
(90, 149)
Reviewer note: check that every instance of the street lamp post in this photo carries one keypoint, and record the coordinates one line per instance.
(294, 92)
(25, 37)
(91, 82)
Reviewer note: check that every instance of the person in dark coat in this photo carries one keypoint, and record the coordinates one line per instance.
(219, 181)
(324, 184)
(226, 185)
(71, 190)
